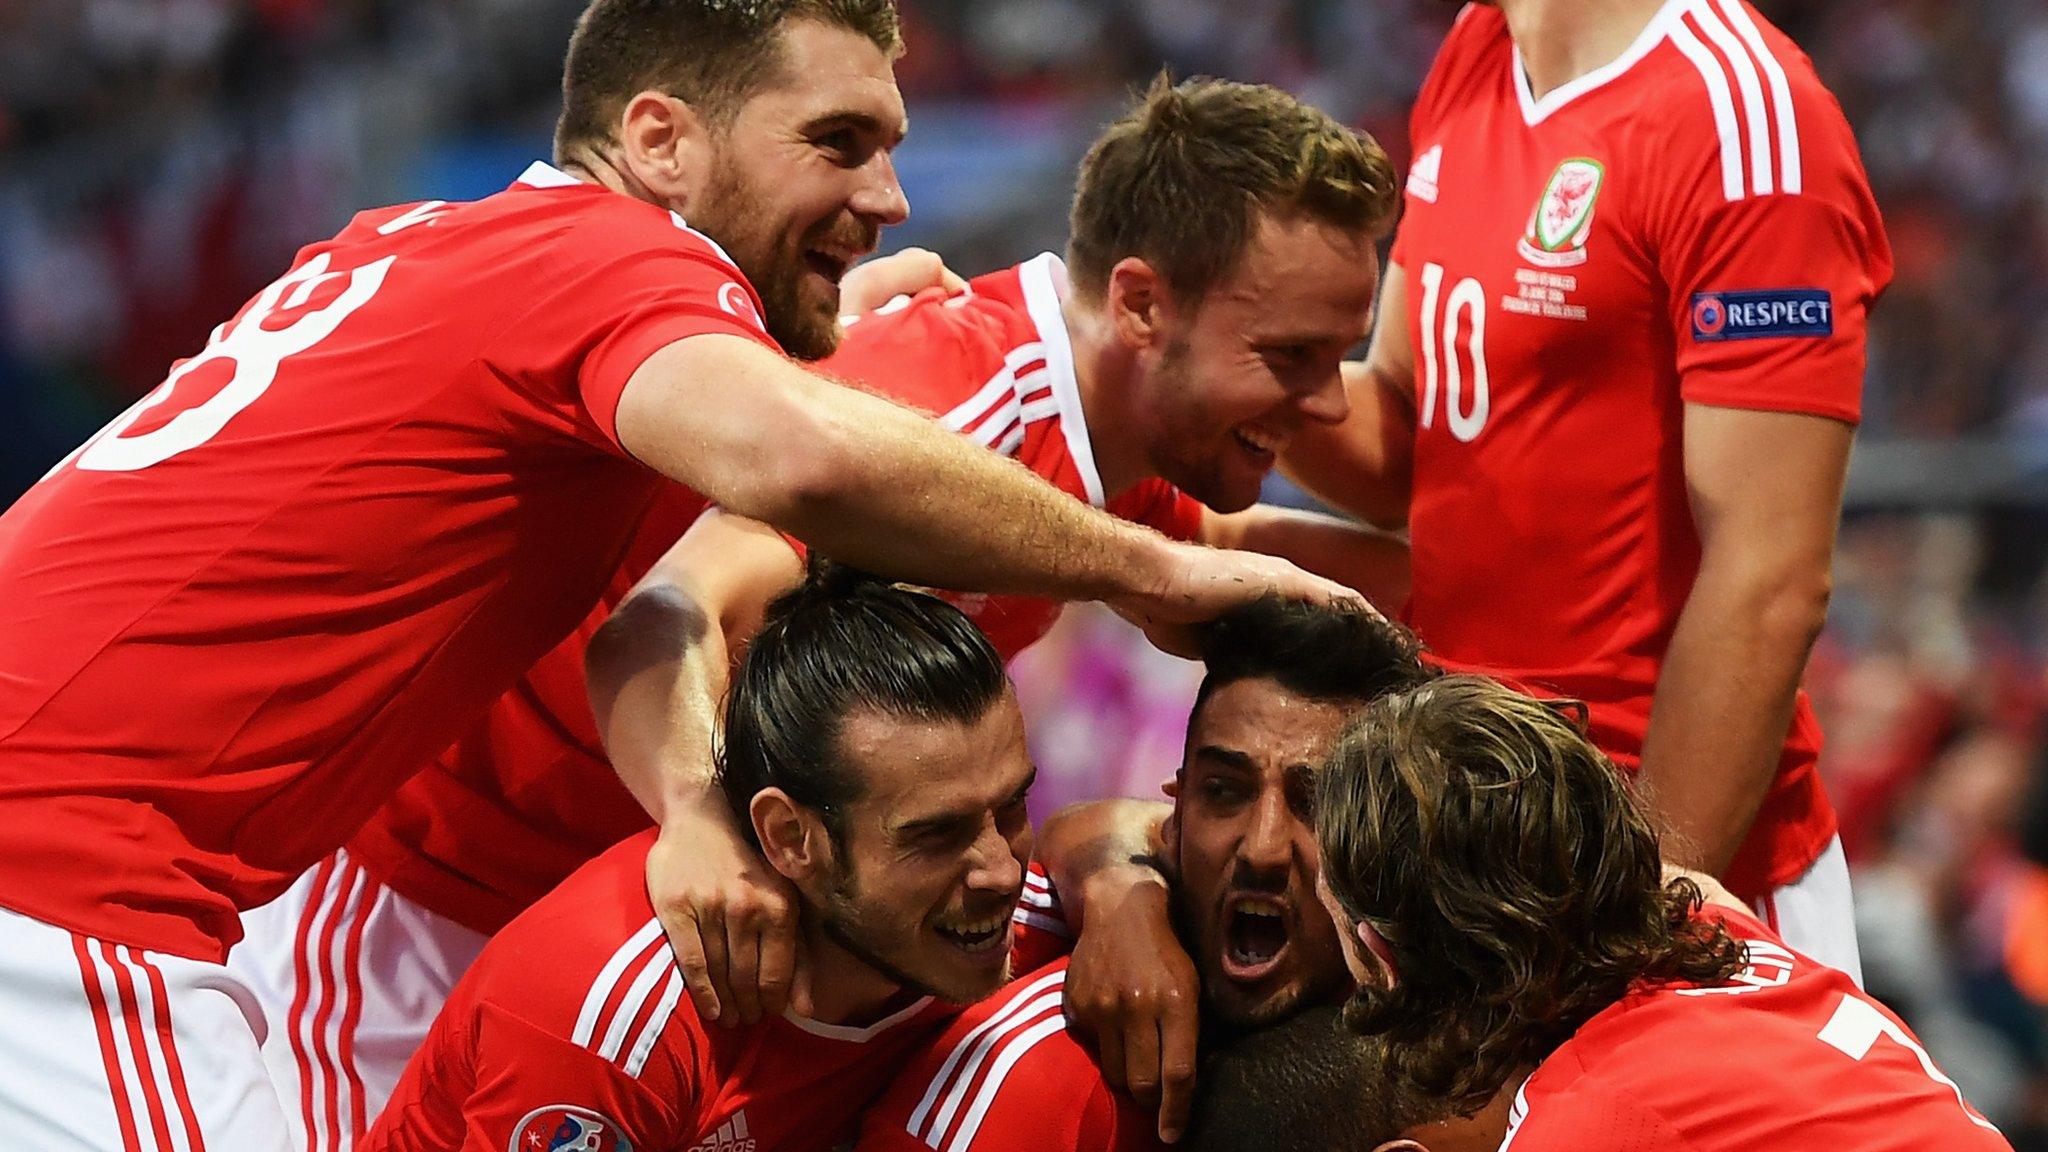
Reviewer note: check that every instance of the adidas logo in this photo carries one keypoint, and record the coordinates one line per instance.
(1424, 173)
(731, 1137)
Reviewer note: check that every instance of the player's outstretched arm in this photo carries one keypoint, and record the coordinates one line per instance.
(1364, 465)
(656, 671)
(1131, 988)
(1353, 554)
(1766, 490)
(883, 488)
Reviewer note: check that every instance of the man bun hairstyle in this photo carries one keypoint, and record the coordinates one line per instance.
(1179, 182)
(1515, 882)
(845, 642)
(712, 54)
(1332, 652)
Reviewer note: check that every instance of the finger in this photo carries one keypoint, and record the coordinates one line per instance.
(1141, 1062)
(1178, 1032)
(778, 960)
(951, 281)
(1109, 1054)
(684, 938)
(717, 968)
(743, 960)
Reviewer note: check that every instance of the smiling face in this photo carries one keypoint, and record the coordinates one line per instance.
(802, 183)
(1228, 384)
(1247, 856)
(934, 851)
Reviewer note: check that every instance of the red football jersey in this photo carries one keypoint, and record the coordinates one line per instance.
(1789, 1055)
(245, 611)
(1005, 1076)
(574, 1022)
(505, 814)
(1689, 225)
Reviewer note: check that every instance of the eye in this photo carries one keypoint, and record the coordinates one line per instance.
(1287, 355)
(843, 146)
(1222, 790)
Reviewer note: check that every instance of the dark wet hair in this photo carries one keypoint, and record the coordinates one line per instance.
(1319, 651)
(843, 643)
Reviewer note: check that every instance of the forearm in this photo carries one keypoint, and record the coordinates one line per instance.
(873, 484)
(1723, 704)
(1092, 849)
(1357, 555)
(656, 672)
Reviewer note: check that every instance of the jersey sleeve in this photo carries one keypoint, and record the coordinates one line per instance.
(658, 298)
(1041, 934)
(629, 285)
(1162, 507)
(1770, 292)
(528, 1081)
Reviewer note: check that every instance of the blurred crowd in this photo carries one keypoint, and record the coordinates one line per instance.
(160, 159)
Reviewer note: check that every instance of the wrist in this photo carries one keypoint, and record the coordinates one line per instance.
(1133, 884)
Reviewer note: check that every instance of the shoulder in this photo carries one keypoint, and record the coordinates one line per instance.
(1562, 1108)
(590, 965)
(1007, 1057)
(1476, 51)
(1739, 112)
(943, 353)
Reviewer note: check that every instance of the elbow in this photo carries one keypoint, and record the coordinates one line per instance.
(1792, 607)
(654, 624)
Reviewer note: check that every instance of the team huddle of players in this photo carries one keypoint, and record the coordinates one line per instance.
(431, 719)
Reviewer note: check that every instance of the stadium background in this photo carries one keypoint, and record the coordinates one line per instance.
(161, 159)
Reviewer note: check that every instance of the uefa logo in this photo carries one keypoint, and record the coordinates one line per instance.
(1709, 316)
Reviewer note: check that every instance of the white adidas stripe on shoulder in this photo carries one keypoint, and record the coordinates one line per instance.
(1759, 136)
(645, 968)
(964, 1061)
(1014, 1051)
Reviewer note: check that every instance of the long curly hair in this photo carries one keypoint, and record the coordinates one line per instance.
(1514, 880)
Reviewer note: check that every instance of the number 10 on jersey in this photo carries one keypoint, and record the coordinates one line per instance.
(1453, 332)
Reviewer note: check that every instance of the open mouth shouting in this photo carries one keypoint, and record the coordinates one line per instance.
(1257, 931)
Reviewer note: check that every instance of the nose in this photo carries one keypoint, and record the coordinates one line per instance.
(1269, 841)
(997, 861)
(880, 198)
(1327, 402)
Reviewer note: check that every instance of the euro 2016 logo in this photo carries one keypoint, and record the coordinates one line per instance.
(567, 1128)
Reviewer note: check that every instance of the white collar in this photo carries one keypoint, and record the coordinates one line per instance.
(1535, 111)
(541, 174)
(1044, 279)
(857, 1035)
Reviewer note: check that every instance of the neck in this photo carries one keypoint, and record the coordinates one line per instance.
(592, 167)
(1482, 1131)
(832, 987)
(1104, 372)
(1562, 40)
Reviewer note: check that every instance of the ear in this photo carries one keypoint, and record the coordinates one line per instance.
(1138, 304)
(793, 839)
(666, 146)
